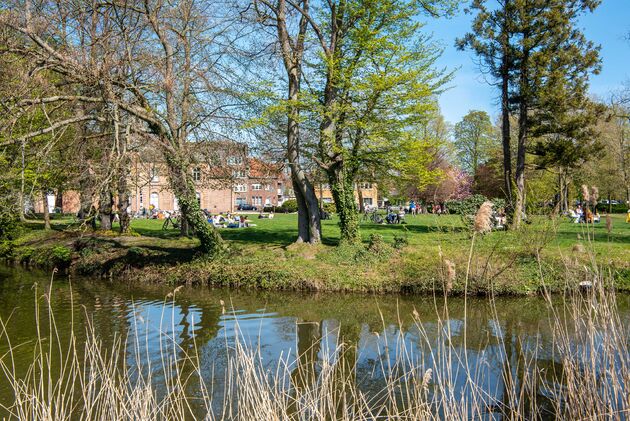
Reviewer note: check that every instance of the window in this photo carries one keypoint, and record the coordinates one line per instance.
(367, 201)
(268, 187)
(240, 188)
(238, 174)
(198, 198)
(256, 187)
(268, 201)
(365, 186)
(155, 174)
(154, 200)
(141, 198)
(256, 200)
(235, 160)
(196, 174)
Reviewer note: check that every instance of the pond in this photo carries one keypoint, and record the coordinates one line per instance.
(303, 329)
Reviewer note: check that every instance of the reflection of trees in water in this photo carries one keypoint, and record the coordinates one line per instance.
(501, 347)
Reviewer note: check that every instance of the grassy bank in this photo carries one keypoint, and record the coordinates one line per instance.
(428, 253)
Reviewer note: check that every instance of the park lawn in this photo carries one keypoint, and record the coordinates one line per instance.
(544, 253)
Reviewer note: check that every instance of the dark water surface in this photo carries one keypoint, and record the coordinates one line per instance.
(281, 324)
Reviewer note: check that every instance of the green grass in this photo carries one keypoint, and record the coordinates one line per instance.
(544, 252)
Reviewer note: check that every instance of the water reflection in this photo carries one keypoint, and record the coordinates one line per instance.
(302, 329)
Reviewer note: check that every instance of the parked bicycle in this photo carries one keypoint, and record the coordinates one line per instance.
(171, 220)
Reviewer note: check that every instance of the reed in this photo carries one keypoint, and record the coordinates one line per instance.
(72, 380)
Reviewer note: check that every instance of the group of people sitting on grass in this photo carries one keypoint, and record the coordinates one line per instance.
(228, 220)
(583, 215)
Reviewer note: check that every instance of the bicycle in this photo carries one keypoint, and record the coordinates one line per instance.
(172, 221)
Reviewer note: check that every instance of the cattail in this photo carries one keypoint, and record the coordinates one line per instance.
(609, 225)
(585, 194)
(594, 195)
(426, 379)
(450, 275)
(483, 219)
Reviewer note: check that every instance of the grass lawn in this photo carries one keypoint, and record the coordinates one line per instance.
(544, 251)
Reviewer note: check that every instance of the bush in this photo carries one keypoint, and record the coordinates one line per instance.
(329, 207)
(289, 206)
(9, 226)
(620, 208)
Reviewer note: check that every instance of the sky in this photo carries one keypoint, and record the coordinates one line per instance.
(606, 26)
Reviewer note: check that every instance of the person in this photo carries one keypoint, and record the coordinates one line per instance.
(628, 217)
(412, 207)
(401, 216)
(391, 217)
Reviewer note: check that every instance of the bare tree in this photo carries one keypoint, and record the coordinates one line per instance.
(161, 64)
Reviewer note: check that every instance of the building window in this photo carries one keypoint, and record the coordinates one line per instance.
(238, 174)
(268, 201)
(141, 198)
(365, 186)
(256, 187)
(367, 201)
(196, 174)
(240, 188)
(268, 187)
(198, 198)
(154, 200)
(155, 174)
(257, 200)
(235, 160)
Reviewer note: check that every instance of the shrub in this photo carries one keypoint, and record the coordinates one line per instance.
(329, 207)
(9, 226)
(60, 255)
(289, 206)
(604, 208)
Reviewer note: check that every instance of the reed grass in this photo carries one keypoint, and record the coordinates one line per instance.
(71, 380)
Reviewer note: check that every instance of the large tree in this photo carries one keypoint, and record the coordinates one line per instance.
(163, 65)
(292, 49)
(375, 82)
(546, 71)
(474, 138)
(492, 40)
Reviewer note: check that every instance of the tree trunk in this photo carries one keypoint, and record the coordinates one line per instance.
(59, 199)
(46, 213)
(342, 188)
(505, 127)
(309, 223)
(87, 212)
(360, 196)
(123, 198)
(106, 206)
(523, 123)
(184, 190)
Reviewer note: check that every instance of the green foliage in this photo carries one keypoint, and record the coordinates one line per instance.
(474, 139)
(329, 207)
(289, 206)
(468, 207)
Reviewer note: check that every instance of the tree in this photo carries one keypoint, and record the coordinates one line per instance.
(375, 82)
(492, 41)
(474, 136)
(548, 63)
(292, 51)
(160, 68)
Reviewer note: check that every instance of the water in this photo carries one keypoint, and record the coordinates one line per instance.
(280, 325)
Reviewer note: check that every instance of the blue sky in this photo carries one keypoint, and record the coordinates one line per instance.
(607, 26)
